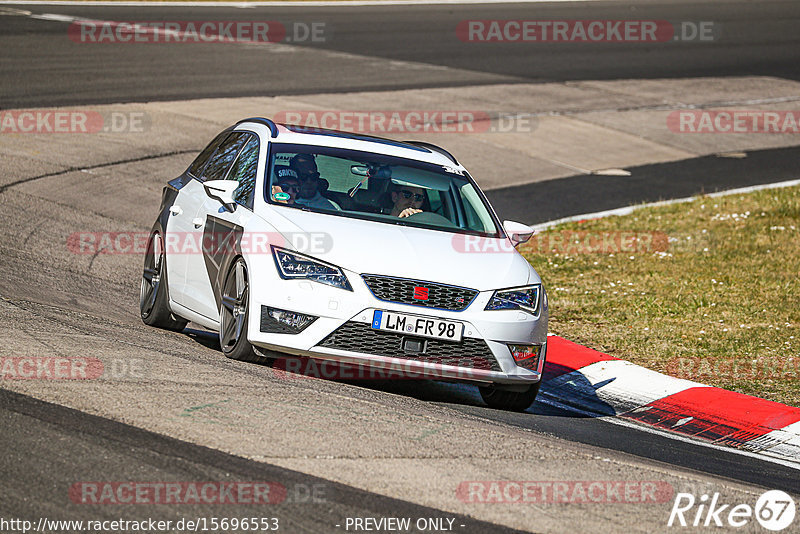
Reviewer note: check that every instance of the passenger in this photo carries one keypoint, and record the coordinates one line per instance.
(407, 200)
(306, 168)
(286, 182)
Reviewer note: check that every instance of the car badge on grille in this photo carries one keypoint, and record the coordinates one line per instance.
(460, 300)
(420, 293)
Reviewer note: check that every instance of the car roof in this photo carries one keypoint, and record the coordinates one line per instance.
(293, 134)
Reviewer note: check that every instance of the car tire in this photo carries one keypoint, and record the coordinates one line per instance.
(234, 313)
(153, 295)
(513, 401)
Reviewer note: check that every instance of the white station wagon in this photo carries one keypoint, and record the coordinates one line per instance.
(369, 252)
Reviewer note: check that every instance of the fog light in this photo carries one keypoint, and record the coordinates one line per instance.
(526, 356)
(277, 321)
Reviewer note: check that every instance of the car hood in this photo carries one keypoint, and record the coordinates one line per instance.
(368, 247)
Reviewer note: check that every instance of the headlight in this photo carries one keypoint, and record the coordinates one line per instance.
(293, 266)
(518, 298)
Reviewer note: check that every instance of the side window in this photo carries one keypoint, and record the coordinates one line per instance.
(480, 221)
(337, 173)
(244, 172)
(197, 166)
(224, 157)
(435, 200)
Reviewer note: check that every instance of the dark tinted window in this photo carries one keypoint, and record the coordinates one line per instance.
(196, 168)
(224, 156)
(244, 172)
(361, 185)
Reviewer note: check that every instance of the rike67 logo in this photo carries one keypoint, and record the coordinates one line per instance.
(774, 510)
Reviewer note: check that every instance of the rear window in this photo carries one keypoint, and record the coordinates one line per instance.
(197, 166)
(224, 156)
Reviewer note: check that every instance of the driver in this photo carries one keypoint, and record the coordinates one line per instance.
(407, 200)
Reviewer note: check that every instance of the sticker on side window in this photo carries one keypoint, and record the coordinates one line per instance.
(453, 170)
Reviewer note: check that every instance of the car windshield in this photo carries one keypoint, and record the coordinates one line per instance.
(377, 187)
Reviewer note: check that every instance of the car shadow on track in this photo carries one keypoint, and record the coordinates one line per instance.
(551, 402)
(207, 338)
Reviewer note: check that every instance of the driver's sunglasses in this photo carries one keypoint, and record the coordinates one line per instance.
(310, 175)
(289, 187)
(419, 197)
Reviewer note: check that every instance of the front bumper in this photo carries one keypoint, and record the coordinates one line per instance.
(342, 332)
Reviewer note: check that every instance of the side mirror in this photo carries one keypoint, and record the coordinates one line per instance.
(518, 233)
(222, 190)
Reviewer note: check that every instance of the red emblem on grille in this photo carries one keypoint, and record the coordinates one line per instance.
(420, 293)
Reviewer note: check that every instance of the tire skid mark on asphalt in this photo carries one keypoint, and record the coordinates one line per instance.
(30, 307)
(21, 181)
(370, 62)
(174, 459)
(236, 413)
(55, 219)
(440, 439)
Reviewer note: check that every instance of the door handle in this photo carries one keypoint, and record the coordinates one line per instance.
(197, 222)
(175, 210)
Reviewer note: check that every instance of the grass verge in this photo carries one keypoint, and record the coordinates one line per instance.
(708, 290)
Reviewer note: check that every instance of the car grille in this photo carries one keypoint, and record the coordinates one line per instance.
(403, 290)
(471, 353)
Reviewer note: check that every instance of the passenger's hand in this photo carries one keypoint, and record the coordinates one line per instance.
(277, 189)
(408, 212)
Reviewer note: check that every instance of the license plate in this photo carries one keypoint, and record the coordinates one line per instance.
(415, 325)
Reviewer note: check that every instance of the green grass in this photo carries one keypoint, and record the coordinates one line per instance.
(711, 293)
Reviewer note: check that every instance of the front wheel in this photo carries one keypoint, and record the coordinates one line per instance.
(513, 401)
(233, 315)
(153, 296)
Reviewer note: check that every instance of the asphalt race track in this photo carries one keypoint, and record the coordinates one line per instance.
(652, 183)
(172, 408)
(418, 47)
